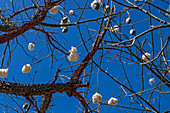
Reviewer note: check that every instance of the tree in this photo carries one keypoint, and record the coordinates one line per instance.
(103, 56)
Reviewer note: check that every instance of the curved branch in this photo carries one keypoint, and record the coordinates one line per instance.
(144, 11)
(38, 17)
(45, 103)
(82, 100)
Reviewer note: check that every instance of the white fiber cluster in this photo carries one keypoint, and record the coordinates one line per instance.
(26, 68)
(113, 101)
(65, 20)
(3, 73)
(132, 32)
(115, 28)
(73, 54)
(107, 8)
(146, 57)
(71, 12)
(97, 98)
(25, 105)
(96, 4)
(31, 46)
(54, 10)
(128, 20)
(151, 80)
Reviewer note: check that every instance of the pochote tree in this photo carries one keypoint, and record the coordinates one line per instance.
(107, 55)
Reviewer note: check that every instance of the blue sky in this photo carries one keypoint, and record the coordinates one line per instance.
(99, 81)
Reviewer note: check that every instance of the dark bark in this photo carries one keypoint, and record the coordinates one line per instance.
(39, 89)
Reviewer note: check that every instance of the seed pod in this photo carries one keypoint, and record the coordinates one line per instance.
(65, 20)
(25, 105)
(54, 10)
(146, 57)
(107, 8)
(95, 5)
(132, 32)
(114, 29)
(73, 54)
(26, 68)
(151, 80)
(31, 46)
(3, 73)
(113, 101)
(71, 12)
(97, 98)
(65, 30)
(128, 20)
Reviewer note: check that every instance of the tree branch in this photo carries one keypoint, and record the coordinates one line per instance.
(86, 60)
(38, 89)
(38, 17)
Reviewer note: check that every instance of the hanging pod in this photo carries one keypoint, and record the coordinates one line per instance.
(71, 12)
(107, 9)
(3, 73)
(31, 46)
(97, 98)
(26, 68)
(132, 32)
(54, 10)
(65, 19)
(25, 105)
(96, 4)
(151, 80)
(65, 30)
(73, 54)
(113, 101)
(146, 57)
(128, 20)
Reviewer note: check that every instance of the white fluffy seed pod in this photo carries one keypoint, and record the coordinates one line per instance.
(128, 20)
(65, 30)
(96, 4)
(132, 32)
(25, 105)
(73, 57)
(71, 12)
(146, 57)
(73, 50)
(151, 80)
(99, 1)
(73, 54)
(54, 10)
(107, 8)
(65, 20)
(3, 73)
(115, 28)
(26, 68)
(93, 44)
(113, 101)
(97, 98)
(31, 46)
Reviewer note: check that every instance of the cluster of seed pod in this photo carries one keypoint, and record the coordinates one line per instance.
(97, 98)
